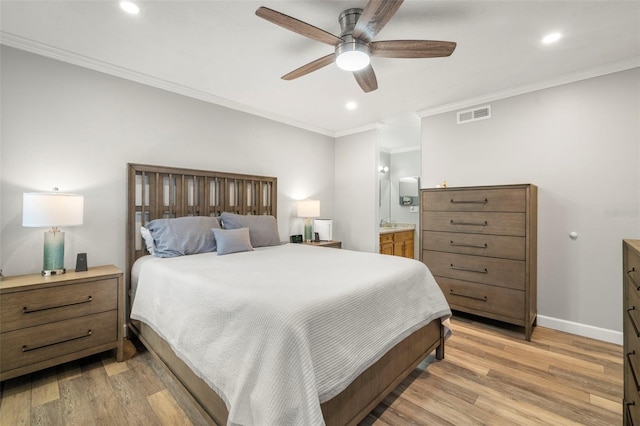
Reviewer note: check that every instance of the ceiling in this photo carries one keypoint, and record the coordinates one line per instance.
(220, 51)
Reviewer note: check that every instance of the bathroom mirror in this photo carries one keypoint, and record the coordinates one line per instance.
(408, 190)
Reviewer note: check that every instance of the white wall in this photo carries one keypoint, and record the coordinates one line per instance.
(580, 143)
(357, 215)
(77, 129)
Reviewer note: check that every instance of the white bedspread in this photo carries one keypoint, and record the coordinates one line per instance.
(279, 330)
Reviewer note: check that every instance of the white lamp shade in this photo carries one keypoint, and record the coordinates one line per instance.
(309, 208)
(44, 209)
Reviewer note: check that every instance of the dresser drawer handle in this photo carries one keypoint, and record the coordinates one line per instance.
(468, 245)
(485, 201)
(455, 222)
(633, 322)
(484, 299)
(633, 372)
(26, 310)
(26, 348)
(462, 268)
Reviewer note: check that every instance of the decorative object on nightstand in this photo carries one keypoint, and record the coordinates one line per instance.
(308, 209)
(54, 209)
(50, 320)
(324, 229)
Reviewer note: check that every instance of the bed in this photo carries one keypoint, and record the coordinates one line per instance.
(311, 384)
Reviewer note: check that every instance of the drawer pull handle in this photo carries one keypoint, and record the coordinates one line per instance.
(26, 310)
(462, 268)
(455, 222)
(633, 372)
(468, 245)
(633, 322)
(26, 348)
(485, 201)
(484, 299)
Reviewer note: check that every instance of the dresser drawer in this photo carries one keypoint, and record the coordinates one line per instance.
(631, 400)
(633, 267)
(34, 344)
(476, 244)
(481, 297)
(475, 222)
(632, 375)
(43, 305)
(386, 238)
(487, 270)
(488, 200)
(402, 236)
(632, 310)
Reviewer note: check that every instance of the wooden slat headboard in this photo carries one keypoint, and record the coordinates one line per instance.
(155, 192)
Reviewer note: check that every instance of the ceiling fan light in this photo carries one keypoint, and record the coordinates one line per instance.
(352, 56)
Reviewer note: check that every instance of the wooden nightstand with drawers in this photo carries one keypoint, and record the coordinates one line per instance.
(329, 243)
(45, 321)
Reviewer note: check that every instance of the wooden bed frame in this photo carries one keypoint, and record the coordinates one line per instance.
(156, 192)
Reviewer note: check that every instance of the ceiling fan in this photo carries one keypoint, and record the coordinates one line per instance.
(355, 46)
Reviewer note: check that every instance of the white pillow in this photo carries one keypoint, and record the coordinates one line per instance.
(148, 239)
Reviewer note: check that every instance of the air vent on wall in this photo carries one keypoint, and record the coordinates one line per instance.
(475, 114)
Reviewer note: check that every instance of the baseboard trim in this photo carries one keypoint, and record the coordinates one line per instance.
(584, 330)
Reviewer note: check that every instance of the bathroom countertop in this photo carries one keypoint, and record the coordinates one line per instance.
(397, 227)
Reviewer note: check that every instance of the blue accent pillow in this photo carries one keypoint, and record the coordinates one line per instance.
(183, 235)
(263, 229)
(232, 240)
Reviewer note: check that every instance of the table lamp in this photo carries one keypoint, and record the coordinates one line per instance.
(54, 209)
(308, 209)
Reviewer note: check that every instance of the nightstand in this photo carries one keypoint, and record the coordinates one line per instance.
(330, 243)
(45, 321)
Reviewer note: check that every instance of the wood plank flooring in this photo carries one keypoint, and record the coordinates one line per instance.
(490, 376)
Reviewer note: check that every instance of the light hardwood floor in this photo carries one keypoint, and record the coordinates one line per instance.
(489, 376)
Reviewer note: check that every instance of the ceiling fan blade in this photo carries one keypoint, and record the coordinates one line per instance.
(297, 26)
(310, 67)
(366, 78)
(412, 48)
(374, 17)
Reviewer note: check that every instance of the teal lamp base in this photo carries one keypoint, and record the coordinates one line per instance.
(308, 230)
(53, 259)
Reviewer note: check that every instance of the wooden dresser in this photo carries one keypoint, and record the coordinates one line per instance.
(45, 321)
(480, 243)
(631, 330)
(397, 243)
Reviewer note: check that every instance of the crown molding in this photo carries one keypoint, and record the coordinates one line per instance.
(365, 128)
(48, 51)
(608, 68)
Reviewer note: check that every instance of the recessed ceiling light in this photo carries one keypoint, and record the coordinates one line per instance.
(351, 105)
(129, 7)
(551, 38)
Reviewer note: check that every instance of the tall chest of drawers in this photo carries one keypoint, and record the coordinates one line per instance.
(480, 243)
(631, 330)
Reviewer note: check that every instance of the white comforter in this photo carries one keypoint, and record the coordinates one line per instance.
(279, 330)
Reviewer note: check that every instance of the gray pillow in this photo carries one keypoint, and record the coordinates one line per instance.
(263, 230)
(183, 235)
(232, 240)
